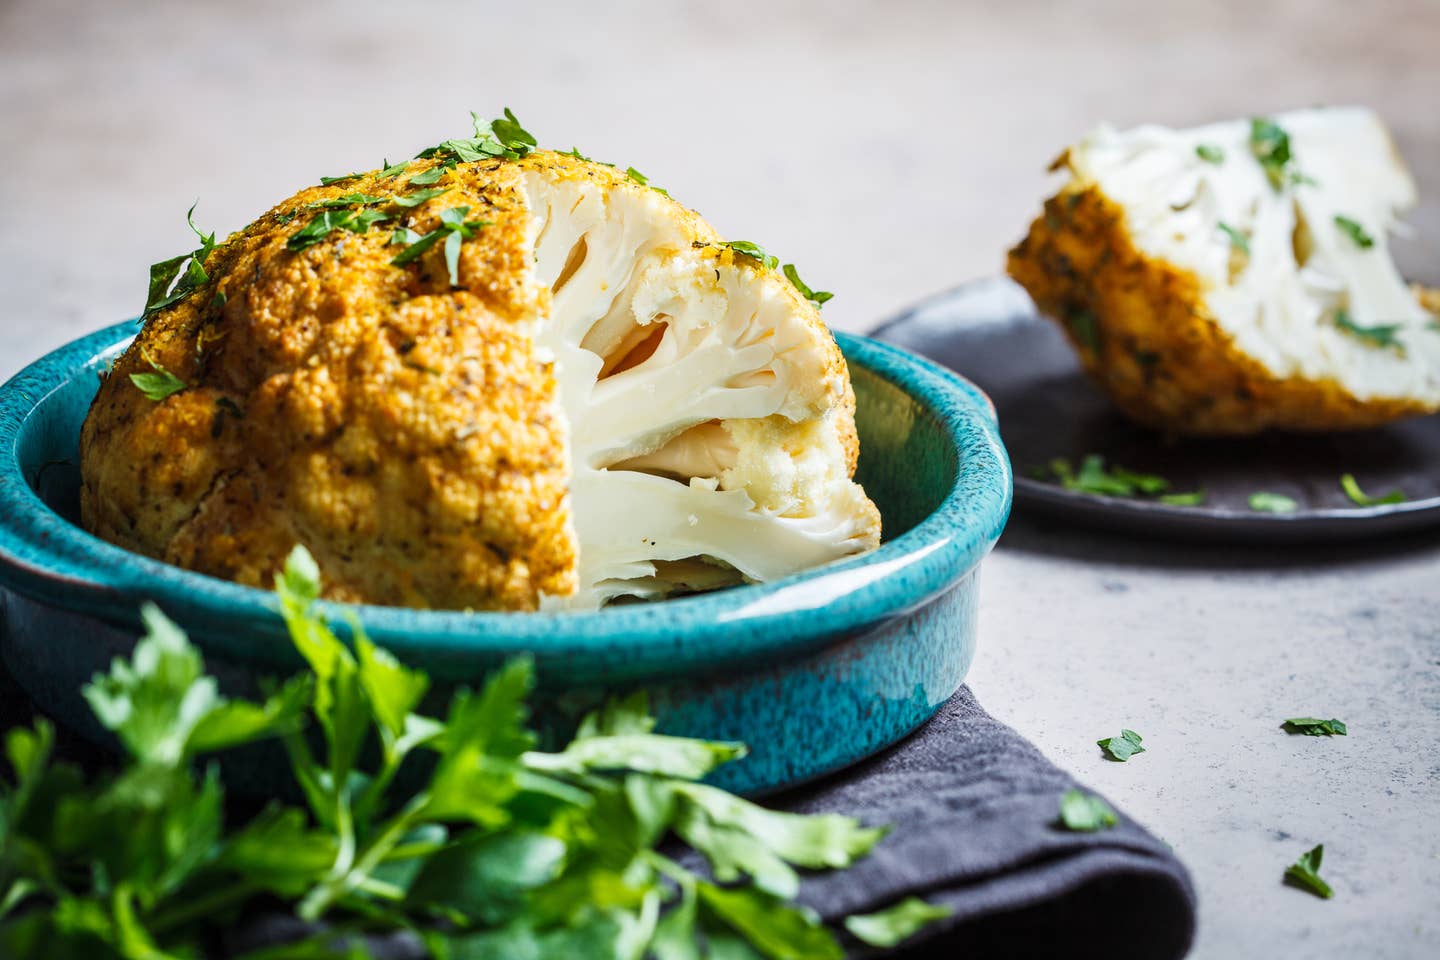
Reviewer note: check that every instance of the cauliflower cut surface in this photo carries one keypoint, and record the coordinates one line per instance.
(607, 401)
(1237, 276)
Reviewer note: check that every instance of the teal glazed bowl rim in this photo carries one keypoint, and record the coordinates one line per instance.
(47, 558)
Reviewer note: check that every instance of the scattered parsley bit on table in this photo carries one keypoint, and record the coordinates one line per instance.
(891, 927)
(1085, 813)
(1123, 747)
(1305, 873)
(1210, 153)
(1380, 335)
(502, 851)
(1093, 477)
(1356, 232)
(1263, 501)
(1313, 727)
(1360, 498)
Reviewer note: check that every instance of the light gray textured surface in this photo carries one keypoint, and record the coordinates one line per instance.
(891, 149)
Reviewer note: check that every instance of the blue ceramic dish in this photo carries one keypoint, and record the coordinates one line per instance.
(814, 672)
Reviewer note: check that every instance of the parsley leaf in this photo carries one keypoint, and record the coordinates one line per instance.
(349, 200)
(892, 926)
(1210, 153)
(415, 199)
(752, 250)
(1115, 482)
(1305, 873)
(1263, 501)
(327, 181)
(644, 181)
(1085, 813)
(1312, 727)
(1359, 497)
(393, 170)
(1380, 335)
(1123, 747)
(428, 177)
(158, 384)
(1193, 498)
(817, 297)
(1354, 230)
(503, 137)
(1238, 239)
(173, 280)
(1270, 145)
(575, 152)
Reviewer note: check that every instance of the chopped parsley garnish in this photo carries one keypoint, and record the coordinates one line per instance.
(453, 228)
(415, 199)
(349, 200)
(643, 180)
(1123, 747)
(1210, 153)
(1085, 812)
(1305, 873)
(1192, 498)
(1313, 727)
(1092, 477)
(817, 297)
(429, 176)
(1271, 147)
(1380, 335)
(404, 235)
(1263, 501)
(752, 250)
(503, 137)
(575, 152)
(393, 170)
(323, 224)
(327, 181)
(1360, 498)
(1238, 239)
(173, 280)
(1355, 231)
(894, 925)
(158, 384)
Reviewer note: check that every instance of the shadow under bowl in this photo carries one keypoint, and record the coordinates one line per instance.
(815, 671)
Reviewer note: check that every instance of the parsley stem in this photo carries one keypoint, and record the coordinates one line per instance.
(358, 868)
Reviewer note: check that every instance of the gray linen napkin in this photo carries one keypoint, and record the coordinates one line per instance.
(975, 813)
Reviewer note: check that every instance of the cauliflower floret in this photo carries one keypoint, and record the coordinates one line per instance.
(581, 393)
(1237, 276)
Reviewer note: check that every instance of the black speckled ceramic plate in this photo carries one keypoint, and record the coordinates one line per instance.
(990, 332)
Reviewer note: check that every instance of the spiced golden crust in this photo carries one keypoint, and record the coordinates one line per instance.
(1143, 333)
(402, 428)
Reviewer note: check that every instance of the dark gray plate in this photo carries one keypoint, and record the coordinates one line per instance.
(990, 332)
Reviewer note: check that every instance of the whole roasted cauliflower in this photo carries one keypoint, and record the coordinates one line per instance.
(493, 377)
(1236, 277)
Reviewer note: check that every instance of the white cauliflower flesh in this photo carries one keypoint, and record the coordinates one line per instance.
(710, 418)
(1292, 252)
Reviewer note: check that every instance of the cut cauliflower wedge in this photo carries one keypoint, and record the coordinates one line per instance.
(711, 421)
(522, 382)
(1237, 277)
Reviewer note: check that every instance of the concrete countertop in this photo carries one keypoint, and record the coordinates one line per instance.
(891, 150)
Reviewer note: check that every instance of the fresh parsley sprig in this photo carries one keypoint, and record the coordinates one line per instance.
(502, 137)
(495, 849)
(818, 297)
(1314, 727)
(327, 221)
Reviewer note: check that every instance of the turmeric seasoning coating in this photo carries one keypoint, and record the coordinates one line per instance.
(402, 427)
